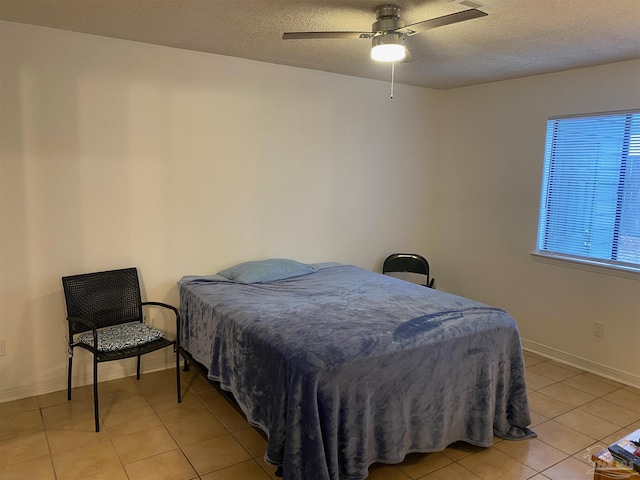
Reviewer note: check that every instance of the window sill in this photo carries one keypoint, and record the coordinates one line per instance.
(587, 265)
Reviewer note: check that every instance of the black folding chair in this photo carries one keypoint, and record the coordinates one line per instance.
(408, 263)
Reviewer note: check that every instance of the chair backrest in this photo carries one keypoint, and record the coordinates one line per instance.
(105, 298)
(407, 262)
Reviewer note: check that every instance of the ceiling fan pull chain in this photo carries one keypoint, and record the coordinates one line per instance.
(393, 71)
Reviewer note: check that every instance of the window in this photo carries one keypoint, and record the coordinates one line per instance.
(590, 201)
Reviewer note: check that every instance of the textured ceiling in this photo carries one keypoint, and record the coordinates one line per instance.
(517, 38)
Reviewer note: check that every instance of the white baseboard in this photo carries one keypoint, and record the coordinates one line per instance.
(83, 375)
(582, 363)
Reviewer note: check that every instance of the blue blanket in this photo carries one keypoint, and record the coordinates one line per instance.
(344, 367)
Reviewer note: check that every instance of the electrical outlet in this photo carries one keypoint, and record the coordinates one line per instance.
(598, 329)
(3, 350)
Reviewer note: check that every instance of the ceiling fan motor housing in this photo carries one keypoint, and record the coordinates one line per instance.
(387, 19)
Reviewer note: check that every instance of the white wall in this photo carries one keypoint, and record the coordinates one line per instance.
(492, 147)
(117, 153)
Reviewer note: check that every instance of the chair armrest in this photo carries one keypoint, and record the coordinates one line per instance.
(86, 323)
(174, 310)
(165, 305)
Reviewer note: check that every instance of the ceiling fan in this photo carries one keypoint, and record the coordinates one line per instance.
(388, 32)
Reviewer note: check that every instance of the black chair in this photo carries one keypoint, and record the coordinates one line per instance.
(104, 309)
(408, 263)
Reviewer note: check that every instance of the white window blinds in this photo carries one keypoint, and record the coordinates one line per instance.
(590, 201)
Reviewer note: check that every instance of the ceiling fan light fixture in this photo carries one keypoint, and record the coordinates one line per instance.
(388, 47)
(390, 52)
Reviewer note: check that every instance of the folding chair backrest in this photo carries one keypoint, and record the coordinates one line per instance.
(106, 298)
(408, 263)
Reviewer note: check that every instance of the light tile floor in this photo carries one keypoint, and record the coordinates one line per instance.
(145, 434)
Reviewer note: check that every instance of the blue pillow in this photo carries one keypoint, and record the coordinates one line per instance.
(266, 270)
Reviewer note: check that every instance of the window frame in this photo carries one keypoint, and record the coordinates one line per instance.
(611, 265)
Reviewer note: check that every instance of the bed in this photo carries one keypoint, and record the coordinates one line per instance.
(342, 367)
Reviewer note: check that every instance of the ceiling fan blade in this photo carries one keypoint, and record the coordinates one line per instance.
(441, 21)
(321, 35)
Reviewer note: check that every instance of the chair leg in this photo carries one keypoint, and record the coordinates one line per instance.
(138, 369)
(178, 386)
(186, 366)
(95, 392)
(69, 377)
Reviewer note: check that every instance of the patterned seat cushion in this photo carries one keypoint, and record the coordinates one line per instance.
(119, 337)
